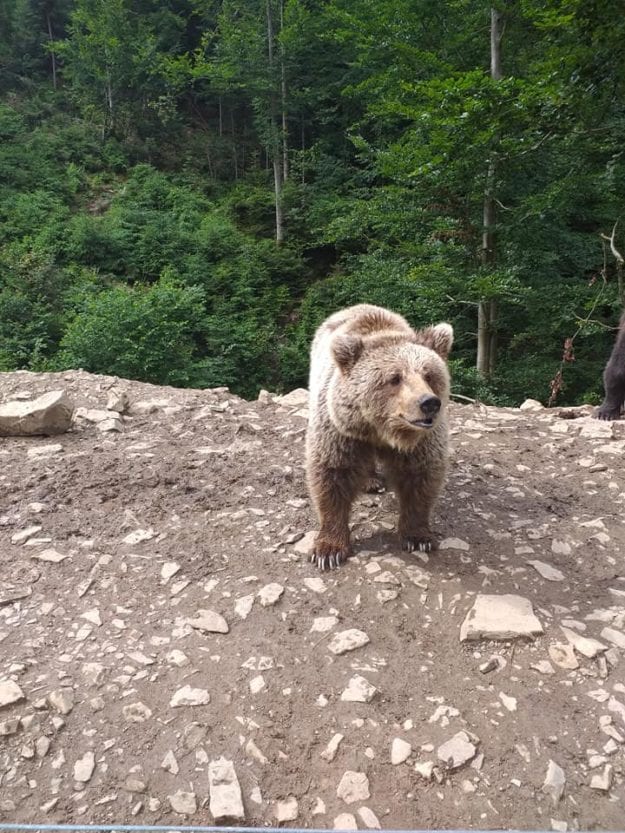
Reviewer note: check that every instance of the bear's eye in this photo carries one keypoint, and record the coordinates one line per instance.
(395, 379)
(427, 377)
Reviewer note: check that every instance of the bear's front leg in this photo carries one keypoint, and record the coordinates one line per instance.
(417, 490)
(334, 491)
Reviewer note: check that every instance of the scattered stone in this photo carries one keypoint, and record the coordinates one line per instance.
(359, 690)
(170, 764)
(369, 818)
(257, 684)
(348, 640)
(270, 593)
(169, 570)
(401, 750)
(297, 398)
(137, 712)
(500, 617)
(510, 703)
(287, 810)
(138, 536)
(188, 696)
(47, 415)
(225, 793)
(345, 821)
(543, 667)
(583, 644)
(304, 545)
(615, 637)
(10, 726)
(319, 807)
(10, 693)
(24, 534)
(563, 656)
(457, 751)
(603, 782)
(183, 803)
(62, 700)
(555, 780)
(547, 571)
(329, 753)
(316, 584)
(425, 769)
(117, 400)
(209, 622)
(83, 768)
(454, 544)
(560, 547)
(531, 405)
(353, 786)
(243, 606)
(45, 450)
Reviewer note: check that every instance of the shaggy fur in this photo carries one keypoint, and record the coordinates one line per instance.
(614, 378)
(378, 393)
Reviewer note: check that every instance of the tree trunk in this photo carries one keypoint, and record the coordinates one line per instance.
(52, 55)
(487, 309)
(274, 140)
(283, 90)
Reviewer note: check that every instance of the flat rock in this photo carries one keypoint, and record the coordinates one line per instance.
(345, 821)
(500, 617)
(188, 696)
(10, 693)
(329, 753)
(243, 606)
(400, 751)
(555, 779)
(83, 768)
(47, 415)
(305, 544)
(457, 751)
(226, 802)
(353, 786)
(359, 690)
(287, 810)
(183, 802)
(270, 593)
(531, 405)
(316, 584)
(348, 640)
(297, 398)
(563, 656)
(209, 622)
(62, 700)
(614, 637)
(369, 818)
(454, 544)
(323, 624)
(583, 644)
(603, 782)
(547, 571)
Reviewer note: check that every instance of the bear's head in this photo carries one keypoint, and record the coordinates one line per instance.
(391, 387)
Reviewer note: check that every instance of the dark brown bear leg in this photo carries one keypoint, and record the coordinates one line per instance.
(334, 490)
(417, 490)
(614, 380)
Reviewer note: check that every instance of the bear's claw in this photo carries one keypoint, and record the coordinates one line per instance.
(328, 560)
(411, 543)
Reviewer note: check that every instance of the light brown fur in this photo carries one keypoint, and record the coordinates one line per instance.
(372, 377)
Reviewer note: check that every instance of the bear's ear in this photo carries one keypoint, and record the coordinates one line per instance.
(439, 338)
(346, 351)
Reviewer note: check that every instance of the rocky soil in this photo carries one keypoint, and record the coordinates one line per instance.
(169, 656)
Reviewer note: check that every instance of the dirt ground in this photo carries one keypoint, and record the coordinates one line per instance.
(94, 623)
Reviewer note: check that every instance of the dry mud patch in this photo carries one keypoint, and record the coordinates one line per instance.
(197, 505)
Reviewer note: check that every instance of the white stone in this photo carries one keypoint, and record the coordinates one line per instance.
(583, 644)
(297, 398)
(348, 640)
(225, 793)
(83, 768)
(270, 593)
(400, 751)
(304, 546)
(138, 536)
(45, 450)
(137, 712)
(500, 617)
(62, 700)
(322, 624)
(457, 751)
(24, 534)
(169, 570)
(425, 769)
(316, 584)
(560, 547)
(615, 637)
(345, 821)
(603, 782)
(597, 429)
(563, 656)
(188, 696)
(183, 803)
(257, 684)
(48, 414)
(209, 622)
(170, 764)
(369, 818)
(319, 807)
(287, 810)
(531, 405)
(49, 555)
(555, 779)
(329, 753)
(359, 690)
(547, 571)
(509, 703)
(243, 606)
(353, 786)
(10, 693)
(543, 667)
(454, 544)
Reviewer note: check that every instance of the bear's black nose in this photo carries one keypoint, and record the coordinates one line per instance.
(430, 405)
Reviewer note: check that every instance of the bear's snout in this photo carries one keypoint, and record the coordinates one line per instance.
(430, 405)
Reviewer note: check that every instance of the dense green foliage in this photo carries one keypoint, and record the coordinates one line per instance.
(151, 152)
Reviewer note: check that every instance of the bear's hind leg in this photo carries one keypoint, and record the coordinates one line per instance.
(614, 380)
(334, 491)
(417, 491)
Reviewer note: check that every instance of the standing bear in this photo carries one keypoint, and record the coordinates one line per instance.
(614, 378)
(378, 394)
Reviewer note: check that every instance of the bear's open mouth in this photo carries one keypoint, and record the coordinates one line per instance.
(426, 422)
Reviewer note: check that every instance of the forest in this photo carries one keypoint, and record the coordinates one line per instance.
(188, 187)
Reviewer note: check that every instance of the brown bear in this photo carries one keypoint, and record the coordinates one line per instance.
(614, 378)
(378, 394)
